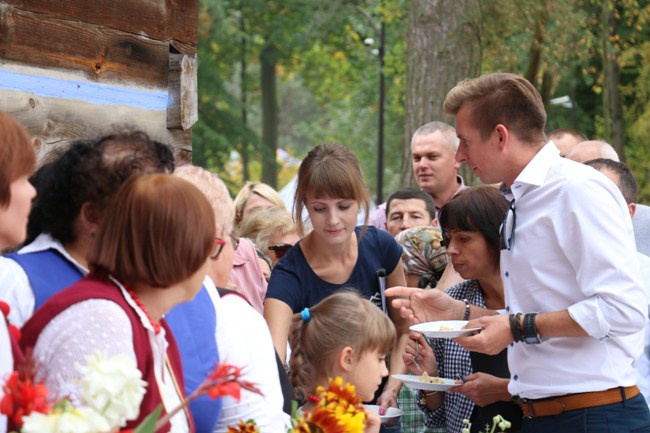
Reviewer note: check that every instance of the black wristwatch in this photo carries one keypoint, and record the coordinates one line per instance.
(531, 336)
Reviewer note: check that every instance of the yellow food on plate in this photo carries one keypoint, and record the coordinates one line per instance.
(446, 328)
(428, 379)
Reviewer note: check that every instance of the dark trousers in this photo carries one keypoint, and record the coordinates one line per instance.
(627, 416)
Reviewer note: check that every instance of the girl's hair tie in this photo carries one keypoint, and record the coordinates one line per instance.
(305, 314)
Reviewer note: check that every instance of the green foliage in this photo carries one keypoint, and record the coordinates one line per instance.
(328, 79)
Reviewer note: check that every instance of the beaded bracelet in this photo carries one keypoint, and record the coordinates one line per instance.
(515, 327)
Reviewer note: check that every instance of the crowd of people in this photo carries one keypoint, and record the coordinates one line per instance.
(110, 246)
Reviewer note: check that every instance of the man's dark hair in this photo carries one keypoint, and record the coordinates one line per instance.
(626, 181)
(90, 172)
(412, 193)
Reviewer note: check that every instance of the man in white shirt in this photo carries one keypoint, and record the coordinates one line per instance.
(571, 277)
(620, 174)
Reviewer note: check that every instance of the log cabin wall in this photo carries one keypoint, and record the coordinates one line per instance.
(79, 69)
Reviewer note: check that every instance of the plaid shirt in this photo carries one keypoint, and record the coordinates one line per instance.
(453, 361)
(413, 419)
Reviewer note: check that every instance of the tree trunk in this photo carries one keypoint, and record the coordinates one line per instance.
(443, 48)
(612, 103)
(243, 150)
(269, 116)
(536, 45)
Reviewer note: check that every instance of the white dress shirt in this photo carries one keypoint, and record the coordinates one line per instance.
(244, 340)
(573, 249)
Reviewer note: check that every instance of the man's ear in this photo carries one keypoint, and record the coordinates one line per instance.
(435, 223)
(89, 217)
(632, 208)
(345, 360)
(502, 135)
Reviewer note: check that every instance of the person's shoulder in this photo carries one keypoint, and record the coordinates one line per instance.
(463, 289)
(373, 234)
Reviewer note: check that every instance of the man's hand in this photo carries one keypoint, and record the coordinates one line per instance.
(494, 336)
(419, 306)
(484, 389)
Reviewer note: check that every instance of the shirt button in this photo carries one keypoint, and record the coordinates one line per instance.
(507, 274)
(507, 307)
(512, 344)
(515, 377)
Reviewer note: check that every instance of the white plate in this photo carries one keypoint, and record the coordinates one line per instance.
(391, 412)
(450, 329)
(414, 382)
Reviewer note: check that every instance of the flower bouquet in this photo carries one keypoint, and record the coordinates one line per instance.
(111, 391)
(337, 410)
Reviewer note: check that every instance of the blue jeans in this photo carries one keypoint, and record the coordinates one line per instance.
(627, 416)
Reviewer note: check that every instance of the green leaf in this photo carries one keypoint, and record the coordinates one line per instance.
(149, 423)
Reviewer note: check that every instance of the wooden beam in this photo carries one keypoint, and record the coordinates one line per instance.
(54, 122)
(101, 53)
(157, 19)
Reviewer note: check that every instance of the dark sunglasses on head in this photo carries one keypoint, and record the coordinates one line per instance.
(280, 250)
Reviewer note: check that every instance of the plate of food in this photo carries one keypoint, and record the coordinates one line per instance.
(426, 382)
(444, 329)
(391, 412)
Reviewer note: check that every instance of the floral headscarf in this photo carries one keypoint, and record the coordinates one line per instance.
(423, 254)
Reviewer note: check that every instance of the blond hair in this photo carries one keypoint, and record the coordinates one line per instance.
(338, 321)
(501, 98)
(261, 226)
(214, 190)
(263, 190)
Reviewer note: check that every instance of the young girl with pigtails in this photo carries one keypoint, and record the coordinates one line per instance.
(345, 336)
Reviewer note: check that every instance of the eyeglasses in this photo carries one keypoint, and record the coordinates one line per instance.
(218, 247)
(280, 250)
(235, 241)
(507, 230)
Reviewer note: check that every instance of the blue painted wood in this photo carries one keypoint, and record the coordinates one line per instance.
(93, 93)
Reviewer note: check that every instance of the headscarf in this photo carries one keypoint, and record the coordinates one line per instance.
(423, 253)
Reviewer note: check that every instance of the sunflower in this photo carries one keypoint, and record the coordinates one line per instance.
(338, 411)
(244, 427)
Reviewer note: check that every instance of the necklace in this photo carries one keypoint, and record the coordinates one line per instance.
(138, 302)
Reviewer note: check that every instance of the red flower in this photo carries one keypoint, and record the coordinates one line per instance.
(23, 397)
(225, 380)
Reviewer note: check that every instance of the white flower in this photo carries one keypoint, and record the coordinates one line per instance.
(113, 387)
(66, 419)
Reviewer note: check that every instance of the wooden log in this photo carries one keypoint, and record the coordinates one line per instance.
(55, 122)
(162, 20)
(102, 54)
(183, 109)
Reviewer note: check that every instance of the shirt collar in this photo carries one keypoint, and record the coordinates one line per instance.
(44, 242)
(535, 172)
